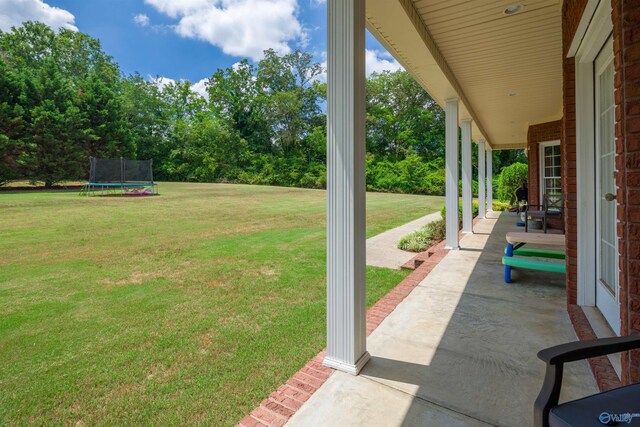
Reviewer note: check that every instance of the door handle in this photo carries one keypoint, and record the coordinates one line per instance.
(609, 197)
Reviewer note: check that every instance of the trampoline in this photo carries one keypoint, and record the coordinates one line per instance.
(120, 177)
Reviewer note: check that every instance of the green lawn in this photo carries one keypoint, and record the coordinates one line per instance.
(187, 308)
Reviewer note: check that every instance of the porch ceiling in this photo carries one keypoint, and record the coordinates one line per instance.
(506, 70)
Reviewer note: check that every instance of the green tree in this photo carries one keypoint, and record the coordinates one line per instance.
(293, 94)
(510, 179)
(236, 97)
(12, 147)
(55, 131)
(209, 151)
(402, 118)
(147, 112)
(66, 94)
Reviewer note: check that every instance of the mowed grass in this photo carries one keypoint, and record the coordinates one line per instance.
(187, 308)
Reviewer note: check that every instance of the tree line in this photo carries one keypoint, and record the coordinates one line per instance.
(62, 100)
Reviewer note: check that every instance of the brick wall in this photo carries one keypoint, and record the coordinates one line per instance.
(626, 35)
(550, 131)
(626, 46)
(571, 13)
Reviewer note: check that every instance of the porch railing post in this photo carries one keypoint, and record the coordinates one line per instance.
(467, 194)
(489, 180)
(451, 172)
(346, 303)
(482, 212)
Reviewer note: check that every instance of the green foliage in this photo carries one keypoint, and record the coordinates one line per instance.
(410, 175)
(62, 99)
(510, 179)
(402, 119)
(501, 206)
(474, 210)
(427, 236)
(59, 104)
(417, 241)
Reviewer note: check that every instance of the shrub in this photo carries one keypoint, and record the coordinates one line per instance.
(500, 206)
(437, 230)
(475, 209)
(510, 179)
(411, 175)
(416, 241)
(315, 177)
(420, 240)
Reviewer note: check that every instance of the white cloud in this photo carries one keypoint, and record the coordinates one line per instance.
(378, 61)
(243, 28)
(161, 82)
(141, 19)
(14, 12)
(200, 88)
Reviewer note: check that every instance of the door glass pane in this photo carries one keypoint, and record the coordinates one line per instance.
(606, 180)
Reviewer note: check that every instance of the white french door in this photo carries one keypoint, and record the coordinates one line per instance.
(607, 289)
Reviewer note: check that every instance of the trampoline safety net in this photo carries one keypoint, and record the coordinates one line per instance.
(120, 170)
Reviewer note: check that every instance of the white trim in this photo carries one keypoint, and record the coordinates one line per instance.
(489, 152)
(541, 175)
(482, 203)
(349, 368)
(451, 172)
(586, 19)
(467, 193)
(609, 304)
(595, 36)
(585, 178)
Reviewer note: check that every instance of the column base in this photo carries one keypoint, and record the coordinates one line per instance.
(452, 248)
(347, 367)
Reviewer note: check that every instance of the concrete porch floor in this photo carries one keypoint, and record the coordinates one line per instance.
(460, 350)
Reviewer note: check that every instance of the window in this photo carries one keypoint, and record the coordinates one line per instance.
(550, 184)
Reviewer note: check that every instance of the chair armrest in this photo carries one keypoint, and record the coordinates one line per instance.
(579, 350)
(557, 356)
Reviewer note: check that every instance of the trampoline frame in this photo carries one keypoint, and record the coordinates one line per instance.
(115, 188)
(112, 188)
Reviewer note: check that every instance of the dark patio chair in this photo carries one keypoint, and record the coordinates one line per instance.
(550, 208)
(612, 407)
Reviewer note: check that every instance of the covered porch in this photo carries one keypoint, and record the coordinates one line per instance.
(494, 69)
(460, 349)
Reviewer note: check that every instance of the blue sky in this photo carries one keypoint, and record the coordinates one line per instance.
(190, 39)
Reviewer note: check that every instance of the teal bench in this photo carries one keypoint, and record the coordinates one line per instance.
(519, 257)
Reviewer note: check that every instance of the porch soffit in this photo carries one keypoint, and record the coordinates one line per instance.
(471, 50)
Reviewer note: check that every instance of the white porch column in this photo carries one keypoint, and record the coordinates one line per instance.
(489, 180)
(482, 212)
(467, 194)
(346, 305)
(451, 168)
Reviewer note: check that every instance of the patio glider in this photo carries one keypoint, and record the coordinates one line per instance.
(620, 406)
(519, 257)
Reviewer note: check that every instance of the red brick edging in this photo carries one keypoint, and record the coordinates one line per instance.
(601, 367)
(280, 406)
